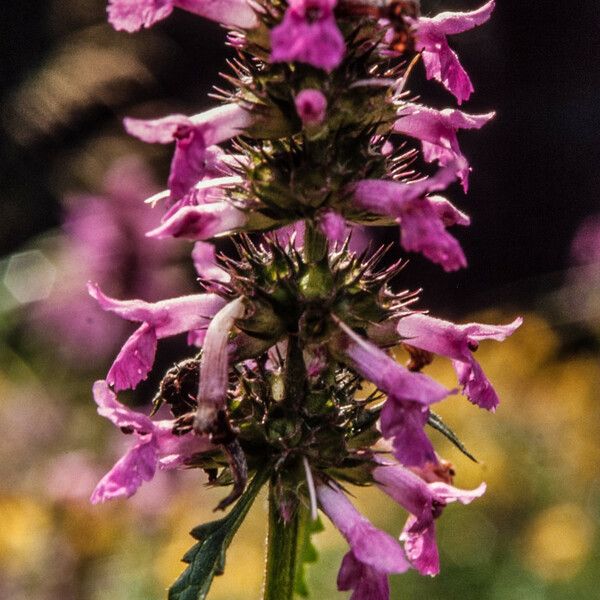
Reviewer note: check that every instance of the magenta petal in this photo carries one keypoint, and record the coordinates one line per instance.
(423, 231)
(404, 424)
(314, 39)
(135, 360)
(369, 545)
(436, 129)
(188, 165)
(421, 547)
(201, 222)
(366, 582)
(117, 413)
(132, 15)
(128, 474)
(386, 197)
(476, 386)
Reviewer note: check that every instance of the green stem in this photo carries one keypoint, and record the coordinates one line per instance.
(284, 547)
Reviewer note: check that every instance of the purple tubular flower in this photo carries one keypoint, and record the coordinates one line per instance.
(159, 320)
(390, 377)
(373, 553)
(458, 342)
(214, 367)
(308, 34)
(405, 412)
(425, 501)
(437, 131)
(423, 220)
(441, 62)
(311, 106)
(156, 446)
(132, 15)
(201, 222)
(192, 160)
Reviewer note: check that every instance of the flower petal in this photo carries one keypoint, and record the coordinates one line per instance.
(135, 360)
(132, 15)
(201, 222)
(128, 474)
(117, 413)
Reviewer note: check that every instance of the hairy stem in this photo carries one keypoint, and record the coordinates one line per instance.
(284, 547)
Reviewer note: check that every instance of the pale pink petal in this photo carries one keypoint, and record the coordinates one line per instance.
(128, 474)
(119, 414)
(214, 367)
(206, 264)
(135, 360)
(201, 222)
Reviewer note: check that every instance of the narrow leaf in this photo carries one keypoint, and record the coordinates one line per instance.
(307, 554)
(207, 558)
(436, 422)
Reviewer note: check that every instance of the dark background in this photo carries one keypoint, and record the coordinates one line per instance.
(535, 178)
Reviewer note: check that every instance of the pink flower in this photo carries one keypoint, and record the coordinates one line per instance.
(156, 447)
(193, 159)
(405, 411)
(389, 376)
(425, 502)
(311, 106)
(458, 342)
(214, 366)
(373, 553)
(308, 34)
(159, 320)
(440, 60)
(201, 222)
(422, 219)
(132, 15)
(437, 131)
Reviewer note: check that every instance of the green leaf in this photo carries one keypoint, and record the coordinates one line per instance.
(436, 422)
(207, 558)
(307, 553)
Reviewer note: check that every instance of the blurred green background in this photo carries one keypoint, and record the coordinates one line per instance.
(67, 170)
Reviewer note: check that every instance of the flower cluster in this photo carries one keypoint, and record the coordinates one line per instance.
(318, 135)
